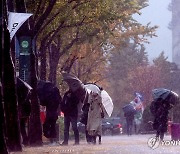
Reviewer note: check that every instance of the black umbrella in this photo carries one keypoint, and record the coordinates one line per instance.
(167, 96)
(129, 109)
(73, 82)
(43, 90)
(75, 85)
(160, 93)
(48, 93)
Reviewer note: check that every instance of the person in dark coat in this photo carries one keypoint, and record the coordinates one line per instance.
(69, 107)
(129, 121)
(160, 112)
(52, 112)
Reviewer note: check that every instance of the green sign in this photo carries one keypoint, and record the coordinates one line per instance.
(25, 44)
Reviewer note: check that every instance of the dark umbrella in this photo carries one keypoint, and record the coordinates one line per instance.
(129, 109)
(44, 89)
(47, 93)
(160, 93)
(166, 95)
(75, 85)
(73, 82)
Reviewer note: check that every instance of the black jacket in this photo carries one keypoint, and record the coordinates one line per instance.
(69, 104)
(53, 103)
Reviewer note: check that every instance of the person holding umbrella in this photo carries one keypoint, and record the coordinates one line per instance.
(129, 112)
(164, 100)
(52, 112)
(138, 105)
(50, 98)
(160, 113)
(100, 97)
(69, 107)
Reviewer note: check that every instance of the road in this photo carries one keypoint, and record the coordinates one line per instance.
(122, 144)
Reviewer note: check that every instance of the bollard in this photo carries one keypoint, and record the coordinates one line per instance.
(175, 131)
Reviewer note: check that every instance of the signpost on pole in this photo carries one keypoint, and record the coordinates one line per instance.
(24, 57)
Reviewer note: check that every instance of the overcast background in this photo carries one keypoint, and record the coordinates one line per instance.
(158, 14)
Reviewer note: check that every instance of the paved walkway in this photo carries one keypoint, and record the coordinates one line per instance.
(135, 144)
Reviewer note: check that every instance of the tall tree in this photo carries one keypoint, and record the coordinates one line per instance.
(90, 63)
(71, 22)
(165, 68)
(125, 58)
(8, 93)
(144, 79)
(3, 146)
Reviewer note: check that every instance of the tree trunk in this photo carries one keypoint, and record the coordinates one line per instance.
(35, 135)
(52, 73)
(3, 147)
(10, 6)
(43, 61)
(10, 99)
(53, 63)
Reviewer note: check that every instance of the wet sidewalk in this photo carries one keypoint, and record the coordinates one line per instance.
(122, 144)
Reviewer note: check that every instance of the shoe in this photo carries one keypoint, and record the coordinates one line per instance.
(64, 143)
(76, 144)
(53, 144)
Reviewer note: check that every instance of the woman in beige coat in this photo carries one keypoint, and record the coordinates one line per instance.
(95, 115)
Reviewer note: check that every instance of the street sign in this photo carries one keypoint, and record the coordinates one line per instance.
(24, 57)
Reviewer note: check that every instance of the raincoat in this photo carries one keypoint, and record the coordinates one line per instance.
(94, 122)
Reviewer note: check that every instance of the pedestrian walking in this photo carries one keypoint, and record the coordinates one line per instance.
(95, 115)
(69, 107)
(129, 122)
(138, 105)
(52, 112)
(160, 113)
(129, 112)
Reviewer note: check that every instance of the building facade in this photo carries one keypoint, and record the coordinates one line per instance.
(175, 6)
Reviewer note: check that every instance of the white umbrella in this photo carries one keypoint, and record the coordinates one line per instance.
(92, 87)
(107, 102)
(106, 99)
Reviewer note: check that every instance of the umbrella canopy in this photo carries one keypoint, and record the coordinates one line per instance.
(129, 109)
(106, 99)
(48, 93)
(107, 102)
(44, 89)
(168, 96)
(92, 87)
(73, 82)
(75, 85)
(160, 93)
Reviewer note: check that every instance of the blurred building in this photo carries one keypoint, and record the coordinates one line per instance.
(175, 25)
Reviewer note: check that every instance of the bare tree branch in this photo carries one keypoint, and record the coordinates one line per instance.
(44, 16)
